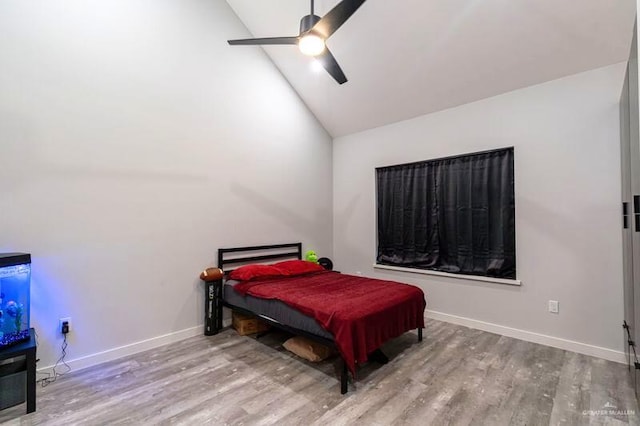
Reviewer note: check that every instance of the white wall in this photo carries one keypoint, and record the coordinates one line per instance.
(567, 186)
(134, 142)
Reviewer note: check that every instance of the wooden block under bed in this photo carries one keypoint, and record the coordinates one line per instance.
(245, 324)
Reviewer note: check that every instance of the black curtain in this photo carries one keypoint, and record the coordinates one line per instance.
(453, 215)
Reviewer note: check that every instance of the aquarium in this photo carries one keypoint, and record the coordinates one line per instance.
(15, 283)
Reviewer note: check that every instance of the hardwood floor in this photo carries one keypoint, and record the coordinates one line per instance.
(456, 376)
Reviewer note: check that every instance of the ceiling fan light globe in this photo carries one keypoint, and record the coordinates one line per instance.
(311, 45)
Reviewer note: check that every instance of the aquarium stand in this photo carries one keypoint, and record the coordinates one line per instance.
(22, 366)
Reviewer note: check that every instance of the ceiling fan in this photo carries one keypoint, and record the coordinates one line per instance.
(314, 31)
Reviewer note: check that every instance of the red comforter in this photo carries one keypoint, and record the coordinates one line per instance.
(361, 313)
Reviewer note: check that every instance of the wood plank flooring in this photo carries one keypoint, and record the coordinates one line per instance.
(456, 376)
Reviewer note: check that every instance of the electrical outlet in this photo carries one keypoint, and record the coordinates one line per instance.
(61, 325)
(554, 306)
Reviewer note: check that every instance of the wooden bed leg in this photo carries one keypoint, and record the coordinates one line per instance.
(344, 378)
(419, 334)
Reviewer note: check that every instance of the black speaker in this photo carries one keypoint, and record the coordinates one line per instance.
(326, 263)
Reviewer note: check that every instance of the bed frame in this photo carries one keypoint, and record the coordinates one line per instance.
(230, 258)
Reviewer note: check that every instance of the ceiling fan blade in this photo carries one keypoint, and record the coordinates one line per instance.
(261, 41)
(330, 64)
(337, 16)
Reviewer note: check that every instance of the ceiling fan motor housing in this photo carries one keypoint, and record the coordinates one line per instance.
(307, 22)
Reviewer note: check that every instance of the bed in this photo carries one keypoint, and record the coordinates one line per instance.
(354, 323)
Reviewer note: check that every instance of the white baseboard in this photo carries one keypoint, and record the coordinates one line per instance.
(556, 342)
(529, 336)
(133, 348)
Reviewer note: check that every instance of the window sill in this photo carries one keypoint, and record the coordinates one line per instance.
(448, 275)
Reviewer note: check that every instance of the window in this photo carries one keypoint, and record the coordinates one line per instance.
(454, 214)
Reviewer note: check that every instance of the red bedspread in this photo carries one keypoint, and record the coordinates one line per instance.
(361, 313)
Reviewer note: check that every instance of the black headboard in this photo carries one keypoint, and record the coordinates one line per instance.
(228, 257)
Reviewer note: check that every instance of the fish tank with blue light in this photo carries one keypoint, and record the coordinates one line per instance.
(15, 286)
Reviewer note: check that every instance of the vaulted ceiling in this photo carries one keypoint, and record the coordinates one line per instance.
(406, 58)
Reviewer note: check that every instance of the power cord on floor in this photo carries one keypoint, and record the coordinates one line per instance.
(53, 376)
(636, 362)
